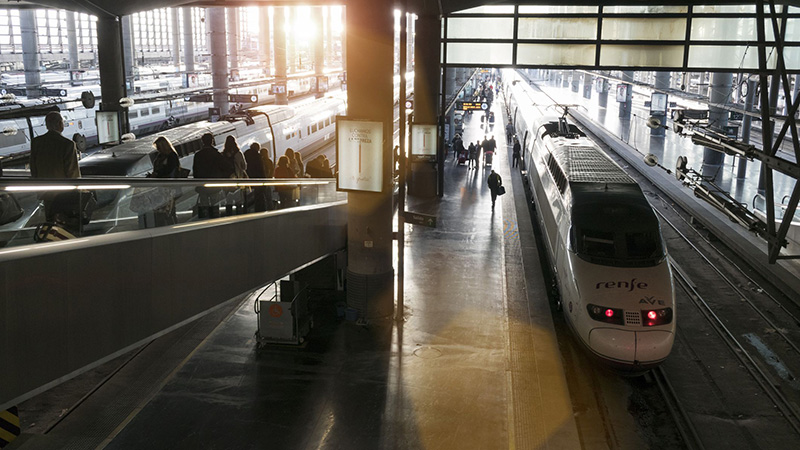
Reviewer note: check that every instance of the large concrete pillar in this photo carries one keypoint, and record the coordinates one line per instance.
(626, 107)
(176, 38)
(291, 48)
(72, 42)
(328, 36)
(370, 275)
(576, 81)
(188, 39)
(427, 78)
(128, 51)
(319, 47)
(343, 40)
(719, 91)
(661, 84)
(264, 49)
(30, 52)
(112, 74)
(279, 52)
(219, 61)
(747, 123)
(233, 38)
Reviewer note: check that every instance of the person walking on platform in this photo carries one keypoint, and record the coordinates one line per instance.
(458, 146)
(509, 132)
(53, 156)
(474, 151)
(516, 153)
(209, 163)
(495, 183)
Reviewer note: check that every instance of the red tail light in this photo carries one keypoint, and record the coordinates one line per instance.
(656, 317)
(605, 314)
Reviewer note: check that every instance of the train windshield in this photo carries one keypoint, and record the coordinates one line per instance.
(617, 235)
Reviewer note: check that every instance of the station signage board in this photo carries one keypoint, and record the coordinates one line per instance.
(423, 141)
(107, 127)
(359, 155)
(322, 84)
(243, 98)
(472, 106)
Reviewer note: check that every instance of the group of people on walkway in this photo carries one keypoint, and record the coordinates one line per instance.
(474, 152)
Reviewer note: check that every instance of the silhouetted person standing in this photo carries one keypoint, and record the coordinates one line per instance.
(53, 156)
(209, 163)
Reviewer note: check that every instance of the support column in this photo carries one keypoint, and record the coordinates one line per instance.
(328, 36)
(343, 39)
(233, 38)
(626, 107)
(279, 52)
(30, 52)
(128, 53)
(291, 49)
(747, 123)
(766, 127)
(265, 51)
(72, 42)
(219, 60)
(176, 38)
(717, 118)
(188, 39)
(587, 86)
(319, 48)
(662, 84)
(576, 81)
(427, 79)
(112, 74)
(370, 275)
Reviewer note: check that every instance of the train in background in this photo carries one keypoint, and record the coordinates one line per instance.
(602, 237)
(306, 129)
(145, 117)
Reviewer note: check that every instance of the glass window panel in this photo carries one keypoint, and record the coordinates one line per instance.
(745, 9)
(738, 57)
(502, 9)
(644, 28)
(791, 56)
(645, 9)
(793, 30)
(641, 55)
(480, 28)
(719, 29)
(556, 54)
(570, 9)
(472, 53)
(557, 28)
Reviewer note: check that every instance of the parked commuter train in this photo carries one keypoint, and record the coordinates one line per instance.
(602, 237)
(305, 129)
(144, 117)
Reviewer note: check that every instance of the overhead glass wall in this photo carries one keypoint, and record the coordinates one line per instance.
(647, 37)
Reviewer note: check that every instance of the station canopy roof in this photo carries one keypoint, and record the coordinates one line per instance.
(680, 35)
(446, 7)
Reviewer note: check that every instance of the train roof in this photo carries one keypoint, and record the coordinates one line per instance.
(586, 164)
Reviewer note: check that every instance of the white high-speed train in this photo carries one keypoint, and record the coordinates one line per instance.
(602, 236)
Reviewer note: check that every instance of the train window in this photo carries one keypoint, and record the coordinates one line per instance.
(313, 129)
(642, 245)
(328, 122)
(144, 112)
(320, 124)
(133, 114)
(157, 110)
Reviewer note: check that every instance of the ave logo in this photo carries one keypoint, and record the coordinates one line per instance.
(651, 301)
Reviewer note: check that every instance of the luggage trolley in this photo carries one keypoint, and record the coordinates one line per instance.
(284, 317)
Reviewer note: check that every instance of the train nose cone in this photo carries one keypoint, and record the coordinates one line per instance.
(629, 347)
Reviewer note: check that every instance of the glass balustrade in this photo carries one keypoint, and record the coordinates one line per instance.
(90, 207)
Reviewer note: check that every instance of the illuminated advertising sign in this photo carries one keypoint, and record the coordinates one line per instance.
(359, 155)
(423, 141)
(658, 103)
(107, 127)
(622, 92)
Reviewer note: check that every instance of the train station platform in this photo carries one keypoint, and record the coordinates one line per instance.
(474, 364)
